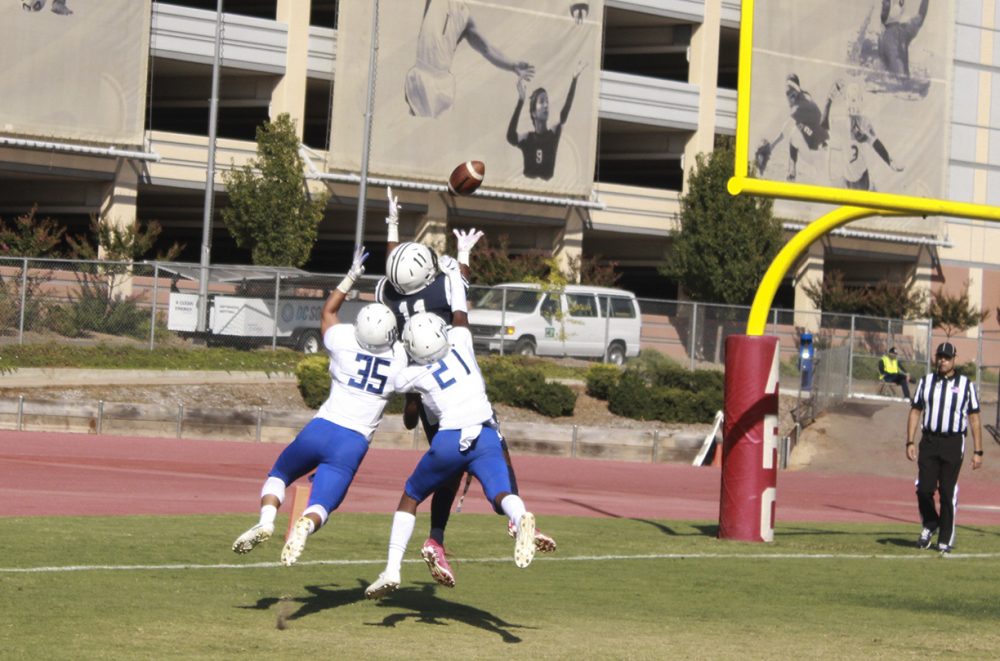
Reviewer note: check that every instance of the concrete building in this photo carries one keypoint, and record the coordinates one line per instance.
(667, 89)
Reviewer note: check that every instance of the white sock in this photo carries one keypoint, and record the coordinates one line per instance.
(514, 508)
(274, 486)
(319, 511)
(399, 537)
(267, 515)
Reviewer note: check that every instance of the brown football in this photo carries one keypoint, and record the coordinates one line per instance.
(466, 178)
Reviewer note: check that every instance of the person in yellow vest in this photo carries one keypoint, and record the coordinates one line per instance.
(890, 371)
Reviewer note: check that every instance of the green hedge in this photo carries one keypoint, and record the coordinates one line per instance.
(507, 382)
(656, 388)
(601, 380)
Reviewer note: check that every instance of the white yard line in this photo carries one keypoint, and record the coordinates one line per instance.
(924, 555)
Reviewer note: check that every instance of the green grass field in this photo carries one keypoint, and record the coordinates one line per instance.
(170, 588)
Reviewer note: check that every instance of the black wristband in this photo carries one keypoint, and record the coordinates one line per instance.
(978, 453)
(909, 443)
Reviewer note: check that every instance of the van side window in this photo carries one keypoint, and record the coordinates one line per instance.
(581, 305)
(622, 308)
(549, 307)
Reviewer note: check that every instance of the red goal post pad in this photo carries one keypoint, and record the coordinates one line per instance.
(750, 439)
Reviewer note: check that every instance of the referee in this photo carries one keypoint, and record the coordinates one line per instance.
(945, 407)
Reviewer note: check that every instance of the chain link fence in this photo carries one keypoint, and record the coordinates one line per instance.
(155, 304)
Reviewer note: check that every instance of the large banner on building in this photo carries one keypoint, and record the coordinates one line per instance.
(74, 69)
(512, 83)
(853, 94)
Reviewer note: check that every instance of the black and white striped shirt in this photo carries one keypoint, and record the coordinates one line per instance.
(945, 403)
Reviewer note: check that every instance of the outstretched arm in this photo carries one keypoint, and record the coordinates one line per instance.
(513, 139)
(492, 54)
(564, 114)
(392, 221)
(885, 10)
(328, 317)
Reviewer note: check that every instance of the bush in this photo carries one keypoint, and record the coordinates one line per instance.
(91, 312)
(508, 381)
(632, 398)
(601, 380)
(657, 388)
(676, 405)
(313, 377)
(553, 399)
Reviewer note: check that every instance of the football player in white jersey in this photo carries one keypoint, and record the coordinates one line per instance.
(413, 284)
(444, 371)
(364, 361)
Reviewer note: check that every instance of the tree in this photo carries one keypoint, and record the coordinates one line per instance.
(494, 264)
(28, 236)
(725, 243)
(885, 298)
(272, 211)
(954, 313)
(100, 303)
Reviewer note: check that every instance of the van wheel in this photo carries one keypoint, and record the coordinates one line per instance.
(616, 353)
(309, 342)
(525, 347)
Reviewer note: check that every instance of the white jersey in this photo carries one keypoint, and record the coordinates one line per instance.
(452, 389)
(362, 380)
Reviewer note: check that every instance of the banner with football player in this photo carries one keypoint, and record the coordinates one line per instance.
(852, 95)
(74, 70)
(512, 83)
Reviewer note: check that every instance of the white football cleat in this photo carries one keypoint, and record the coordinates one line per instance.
(543, 543)
(524, 544)
(297, 541)
(251, 538)
(386, 583)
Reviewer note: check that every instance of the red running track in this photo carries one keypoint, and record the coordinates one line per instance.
(84, 474)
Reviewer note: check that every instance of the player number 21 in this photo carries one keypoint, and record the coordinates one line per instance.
(443, 367)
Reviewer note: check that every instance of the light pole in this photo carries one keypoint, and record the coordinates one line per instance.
(206, 222)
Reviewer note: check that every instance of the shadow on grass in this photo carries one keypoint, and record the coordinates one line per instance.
(871, 513)
(425, 607)
(709, 530)
(321, 598)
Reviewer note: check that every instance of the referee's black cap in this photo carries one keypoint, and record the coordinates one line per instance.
(946, 349)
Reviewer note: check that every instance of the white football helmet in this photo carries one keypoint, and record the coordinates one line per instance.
(375, 327)
(411, 267)
(425, 338)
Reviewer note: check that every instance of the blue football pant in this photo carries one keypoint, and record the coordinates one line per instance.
(335, 453)
(443, 462)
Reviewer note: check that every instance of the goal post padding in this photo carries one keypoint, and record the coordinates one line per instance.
(750, 439)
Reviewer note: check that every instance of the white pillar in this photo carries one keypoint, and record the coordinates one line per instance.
(567, 245)
(809, 272)
(289, 94)
(703, 71)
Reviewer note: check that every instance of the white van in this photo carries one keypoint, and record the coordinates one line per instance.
(592, 322)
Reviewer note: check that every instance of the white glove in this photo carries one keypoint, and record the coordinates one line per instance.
(356, 271)
(392, 220)
(465, 242)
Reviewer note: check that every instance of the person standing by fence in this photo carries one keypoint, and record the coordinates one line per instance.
(945, 409)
